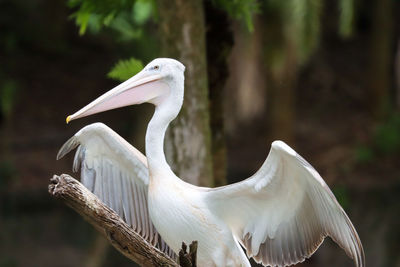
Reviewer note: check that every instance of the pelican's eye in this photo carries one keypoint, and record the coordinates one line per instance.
(156, 67)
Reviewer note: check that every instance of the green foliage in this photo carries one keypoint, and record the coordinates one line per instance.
(305, 24)
(125, 28)
(8, 93)
(125, 17)
(240, 9)
(301, 21)
(124, 69)
(346, 20)
(129, 24)
(95, 14)
(142, 11)
(104, 10)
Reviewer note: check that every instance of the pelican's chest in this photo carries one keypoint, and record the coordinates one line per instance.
(177, 213)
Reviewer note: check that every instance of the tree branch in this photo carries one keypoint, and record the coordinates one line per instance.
(107, 222)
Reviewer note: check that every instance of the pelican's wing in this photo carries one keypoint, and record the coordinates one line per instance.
(282, 213)
(117, 173)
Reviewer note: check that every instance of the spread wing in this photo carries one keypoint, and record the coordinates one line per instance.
(282, 213)
(117, 173)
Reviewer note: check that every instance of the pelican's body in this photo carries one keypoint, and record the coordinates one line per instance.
(190, 219)
(280, 215)
(178, 207)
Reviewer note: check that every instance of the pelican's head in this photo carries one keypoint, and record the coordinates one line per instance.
(161, 81)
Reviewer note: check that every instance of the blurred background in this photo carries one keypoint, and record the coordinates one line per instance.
(321, 75)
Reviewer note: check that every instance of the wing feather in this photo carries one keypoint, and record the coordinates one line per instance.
(282, 214)
(117, 173)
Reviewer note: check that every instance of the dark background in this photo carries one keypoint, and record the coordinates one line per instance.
(47, 71)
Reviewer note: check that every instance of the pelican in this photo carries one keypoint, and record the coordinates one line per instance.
(280, 215)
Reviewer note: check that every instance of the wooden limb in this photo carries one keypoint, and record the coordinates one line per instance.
(188, 259)
(107, 222)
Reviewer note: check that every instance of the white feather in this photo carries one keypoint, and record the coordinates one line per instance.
(283, 212)
(117, 173)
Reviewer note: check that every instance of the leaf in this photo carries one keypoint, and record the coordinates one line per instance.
(108, 19)
(82, 19)
(142, 11)
(104, 12)
(127, 30)
(125, 69)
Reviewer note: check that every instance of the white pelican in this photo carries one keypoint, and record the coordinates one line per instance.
(280, 215)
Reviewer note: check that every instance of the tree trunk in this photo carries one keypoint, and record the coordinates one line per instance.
(188, 141)
(282, 67)
(219, 45)
(281, 86)
(264, 80)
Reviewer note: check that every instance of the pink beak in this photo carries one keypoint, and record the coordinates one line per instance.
(141, 88)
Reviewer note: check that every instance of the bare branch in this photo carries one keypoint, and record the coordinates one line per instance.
(107, 222)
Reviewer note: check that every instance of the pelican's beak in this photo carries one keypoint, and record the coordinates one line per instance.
(141, 88)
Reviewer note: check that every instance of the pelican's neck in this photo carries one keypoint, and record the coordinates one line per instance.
(166, 110)
(155, 141)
